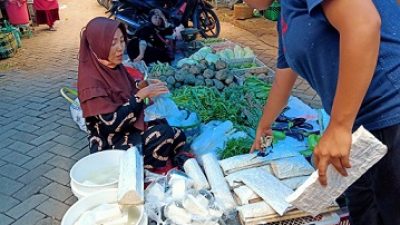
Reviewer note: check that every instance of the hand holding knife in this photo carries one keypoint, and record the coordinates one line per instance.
(266, 141)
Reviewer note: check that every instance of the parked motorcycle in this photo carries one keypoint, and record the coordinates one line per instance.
(105, 3)
(197, 14)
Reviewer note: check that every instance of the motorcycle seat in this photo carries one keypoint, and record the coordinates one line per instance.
(147, 4)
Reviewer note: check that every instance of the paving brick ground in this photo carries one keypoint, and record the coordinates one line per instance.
(39, 142)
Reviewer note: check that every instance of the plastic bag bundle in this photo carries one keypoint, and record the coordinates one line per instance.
(164, 107)
(218, 183)
(77, 115)
(213, 137)
(193, 170)
(171, 200)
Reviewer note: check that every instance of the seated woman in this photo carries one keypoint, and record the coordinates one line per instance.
(112, 102)
(151, 43)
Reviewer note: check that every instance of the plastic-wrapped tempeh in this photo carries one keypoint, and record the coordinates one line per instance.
(193, 170)
(217, 182)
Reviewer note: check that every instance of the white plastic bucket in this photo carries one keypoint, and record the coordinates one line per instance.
(97, 164)
(87, 203)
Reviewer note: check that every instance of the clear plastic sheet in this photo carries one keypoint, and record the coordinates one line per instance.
(294, 182)
(270, 189)
(235, 179)
(291, 167)
(240, 162)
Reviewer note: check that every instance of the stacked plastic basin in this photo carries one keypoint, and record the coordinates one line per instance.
(90, 195)
(17, 11)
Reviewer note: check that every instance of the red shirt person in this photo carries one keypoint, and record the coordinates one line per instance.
(46, 12)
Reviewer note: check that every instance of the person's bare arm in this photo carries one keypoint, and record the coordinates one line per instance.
(358, 23)
(142, 49)
(277, 100)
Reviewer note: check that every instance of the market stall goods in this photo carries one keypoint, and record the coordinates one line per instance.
(193, 170)
(246, 161)
(131, 180)
(312, 197)
(235, 179)
(294, 182)
(244, 194)
(291, 167)
(217, 182)
(270, 189)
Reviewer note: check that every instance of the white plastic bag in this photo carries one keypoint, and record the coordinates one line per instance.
(164, 107)
(77, 115)
(213, 137)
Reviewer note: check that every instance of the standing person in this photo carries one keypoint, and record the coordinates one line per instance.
(46, 12)
(113, 103)
(349, 52)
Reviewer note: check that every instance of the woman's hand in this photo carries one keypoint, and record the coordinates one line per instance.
(334, 147)
(152, 90)
(155, 81)
(262, 131)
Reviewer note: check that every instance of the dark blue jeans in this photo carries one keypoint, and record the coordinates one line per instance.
(374, 199)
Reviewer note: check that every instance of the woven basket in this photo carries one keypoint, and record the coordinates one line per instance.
(242, 11)
(8, 45)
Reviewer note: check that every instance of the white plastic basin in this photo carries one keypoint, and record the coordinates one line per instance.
(92, 201)
(101, 169)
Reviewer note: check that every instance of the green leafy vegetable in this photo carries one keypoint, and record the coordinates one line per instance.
(236, 147)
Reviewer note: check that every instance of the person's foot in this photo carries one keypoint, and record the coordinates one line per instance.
(52, 29)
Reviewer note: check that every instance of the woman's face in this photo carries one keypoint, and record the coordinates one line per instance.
(156, 20)
(117, 49)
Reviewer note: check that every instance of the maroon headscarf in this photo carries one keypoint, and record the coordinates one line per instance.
(102, 90)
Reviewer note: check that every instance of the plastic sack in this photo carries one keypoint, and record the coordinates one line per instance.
(75, 107)
(77, 115)
(213, 137)
(164, 107)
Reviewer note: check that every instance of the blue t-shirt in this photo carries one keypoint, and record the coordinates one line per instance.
(309, 45)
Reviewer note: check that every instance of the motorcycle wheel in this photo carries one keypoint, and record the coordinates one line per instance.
(207, 22)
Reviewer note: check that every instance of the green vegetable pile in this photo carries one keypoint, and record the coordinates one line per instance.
(236, 147)
(209, 41)
(240, 104)
(159, 69)
(208, 102)
(237, 53)
(243, 66)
